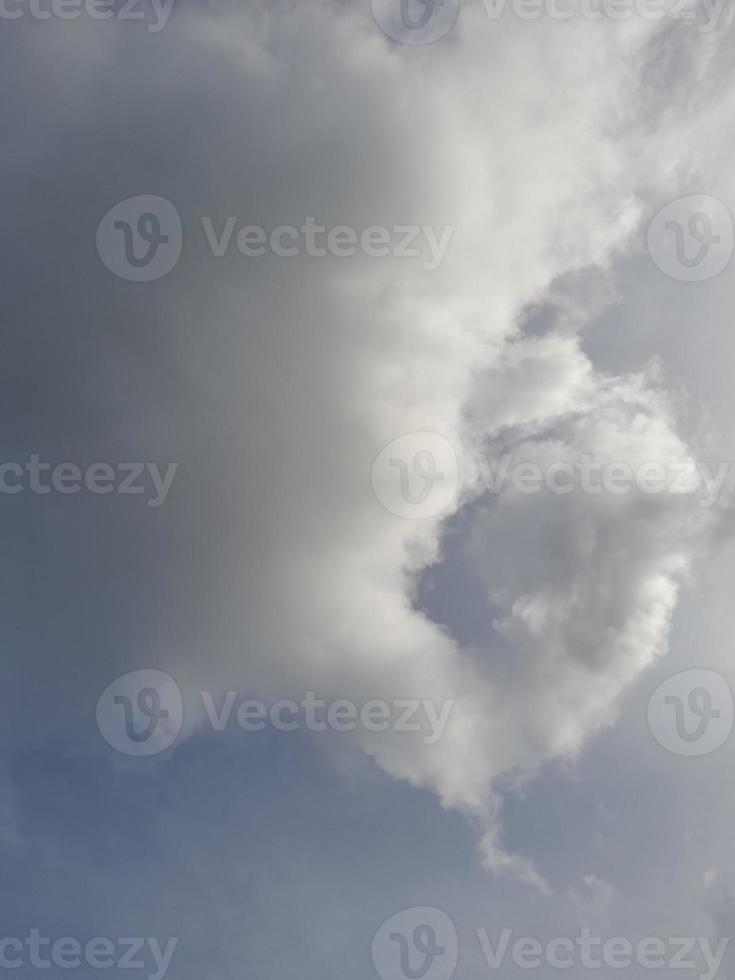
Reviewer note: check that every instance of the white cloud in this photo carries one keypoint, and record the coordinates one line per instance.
(534, 143)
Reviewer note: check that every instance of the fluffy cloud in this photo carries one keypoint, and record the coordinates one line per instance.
(276, 382)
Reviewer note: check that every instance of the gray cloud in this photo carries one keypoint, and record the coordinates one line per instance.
(274, 383)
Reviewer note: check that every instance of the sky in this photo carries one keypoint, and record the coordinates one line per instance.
(365, 485)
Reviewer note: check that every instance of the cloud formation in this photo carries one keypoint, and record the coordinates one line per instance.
(275, 382)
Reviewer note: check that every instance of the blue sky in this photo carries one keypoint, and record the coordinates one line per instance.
(329, 418)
